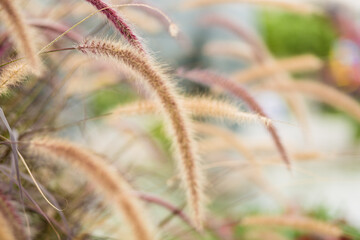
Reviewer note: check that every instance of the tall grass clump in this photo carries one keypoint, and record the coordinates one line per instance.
(146, 147)
(115, 188)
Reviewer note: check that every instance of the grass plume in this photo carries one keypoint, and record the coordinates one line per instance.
(264, 60)
(199, 106)
(213, 79)
(21, 32)
(170, 103)
(12, 75)
(114, 187)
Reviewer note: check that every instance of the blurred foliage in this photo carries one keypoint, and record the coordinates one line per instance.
(329, 110)
(108, 98)
(289, 34)
(239, 231)
(158, 132)
(320, 213)
(351, 231)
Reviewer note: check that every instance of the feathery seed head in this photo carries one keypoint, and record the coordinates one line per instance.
(213, 79)
(199, 106)
(13, 75)
(170, 103)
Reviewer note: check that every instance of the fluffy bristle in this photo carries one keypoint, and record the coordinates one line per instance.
(213, 79)
(199, 106)
(170, 103)
(12, 75)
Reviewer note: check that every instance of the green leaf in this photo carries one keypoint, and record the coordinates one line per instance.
(288, 34)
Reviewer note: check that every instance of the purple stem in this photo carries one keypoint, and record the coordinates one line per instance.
(118, 22)
(158, 201)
